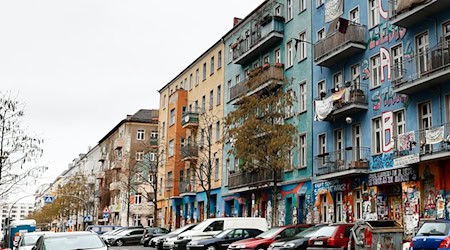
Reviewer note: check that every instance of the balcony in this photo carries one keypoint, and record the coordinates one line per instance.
(118, 144)
(190, 120)
(189, 153)
(117, 164)
(407, 14)
(338, 46)
(258, 80)
(269, 33)
(342, 102)
(153, 141)
(102, 157)
(115, 186)
(186, 188)
(345, 162)
(248, 179)
(422, 71)
(100, 175)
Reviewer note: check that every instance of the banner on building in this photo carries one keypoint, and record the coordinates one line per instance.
(393, 176)
(435, 135)
(333, 9)
(405, 141)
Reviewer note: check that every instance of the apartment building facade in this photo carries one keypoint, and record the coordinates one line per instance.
(272, 42)
(190, 121)
(381, 111)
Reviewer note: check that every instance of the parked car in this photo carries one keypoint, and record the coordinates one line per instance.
(433, 234)
(331, 236)
(127, 236)
(101, 229)
(115, 231)
(298, 242)
(222, 240)
(158, 242)
(263, 240)
(210, 227)
(151, 232)
(70, 240)
(28, 240)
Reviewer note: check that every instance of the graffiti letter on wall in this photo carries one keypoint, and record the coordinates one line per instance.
(385, 63)
(387, 97)
(388, 128)
(383, 13)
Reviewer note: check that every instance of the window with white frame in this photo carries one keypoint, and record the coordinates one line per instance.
(191, 78)
(302, 97)
(266, 59)
(169, 180)
(301, 5)
(203, 103)
(358, 205)
(238, 79)
(277, 56)
(377, 136)
(219, 95)
(140, 135)
(246, 73)
(356, 142)
(152, 156)
(421, 50)
(139, 155)
(172, 117)
(323, 209)
(322, 144)
(321, 88)
(289, 13)
(291, 158)
(289, 54)
(197, 77)
(211, 99)
(354, 15)
(218, 137)
(278, 10)
(337, 80)
(374, 13)
(397, 62)
(319, 3)
(425, 115)
(302, 151)
(399, 122)
(170, 150)
(339, 207)
(446, 33)
(216, 169)
(375, 77)
(212, 66)
(204, 72)
(138, 199)
(290, 109)
(321, 34)
(302, 46)
(137, 219)
(339, 144)
(230, 84)
(355, 72)
(230, 53)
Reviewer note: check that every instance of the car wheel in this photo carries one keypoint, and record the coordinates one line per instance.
(119, 243)
(146, 243)
(260, 248)
(211, 248)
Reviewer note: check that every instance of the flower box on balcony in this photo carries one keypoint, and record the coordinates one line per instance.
(358, 164)
(266, 66)
(279, 65)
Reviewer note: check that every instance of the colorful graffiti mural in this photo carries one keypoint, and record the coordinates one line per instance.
(386, 97)
(385, 32)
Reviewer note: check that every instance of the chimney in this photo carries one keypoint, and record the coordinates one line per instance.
(236, 21)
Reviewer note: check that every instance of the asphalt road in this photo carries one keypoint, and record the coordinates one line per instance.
(137, 247)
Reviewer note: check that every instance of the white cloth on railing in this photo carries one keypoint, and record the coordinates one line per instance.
(435, 135)
(333, 9)
(324, 108)
(405, 141)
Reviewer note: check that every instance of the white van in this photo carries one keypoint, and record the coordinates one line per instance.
(211, 227)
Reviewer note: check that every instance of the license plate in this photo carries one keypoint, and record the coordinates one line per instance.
(319, 243)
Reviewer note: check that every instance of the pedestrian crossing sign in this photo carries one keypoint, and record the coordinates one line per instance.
(48, 199)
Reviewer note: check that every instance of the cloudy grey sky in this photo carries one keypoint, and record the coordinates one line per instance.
(82, 65)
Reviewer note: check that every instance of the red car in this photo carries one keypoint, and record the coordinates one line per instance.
(263, 240)
(331, 236)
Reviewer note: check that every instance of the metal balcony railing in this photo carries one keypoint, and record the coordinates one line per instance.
(407, 13)
(336, 45)
(258, 77)
(419, 71)
(153, 141)
(189, 152)
(186, 187)
(190, 119)
(343, 160)
(261, 177)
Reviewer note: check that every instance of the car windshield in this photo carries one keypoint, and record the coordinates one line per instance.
(223, 233)
(115, 231)
(433, 228)
(180, 230)
(325, 231)
(73, 242)
(29, 240)
(308, 232)
(269, 233)
(202, 225)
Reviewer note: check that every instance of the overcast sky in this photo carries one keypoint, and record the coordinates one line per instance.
(82, 65)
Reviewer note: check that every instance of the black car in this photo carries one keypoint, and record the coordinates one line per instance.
(298, 242)
(128, 236)
(151, 232)
(157, 242)
(221, 240)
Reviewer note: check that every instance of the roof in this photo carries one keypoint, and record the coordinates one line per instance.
(142, 116)
(63, 234)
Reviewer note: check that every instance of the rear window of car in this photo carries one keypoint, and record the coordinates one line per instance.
(327, 231)
(434, 228)
(73, 242)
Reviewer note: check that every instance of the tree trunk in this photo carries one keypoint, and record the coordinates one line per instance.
(208, 202)
(274, 198)
(155, 213)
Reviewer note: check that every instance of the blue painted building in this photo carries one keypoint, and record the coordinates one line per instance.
(381, 103)
(273, 41)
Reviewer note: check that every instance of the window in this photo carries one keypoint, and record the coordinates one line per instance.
(138, 199)
(323, 209)
(319, 3)
(190, 81)
(164, 101)
(320, 34)
(219, 59)
(163, 129)
(154, 135)
(289, 54)
(289, 110)
(218, 131)
(339, 207)
(374, 14)
(321, 88)
(354, 15)
(140, 134)
(421, 50)
(337, 80)
(322, 144)
(171, 147)
(230, 53)
(358, 205)
(211, 99)
(238, 79)
(277, 56)
(197, 77)
(400, 122)
(215, 226)
(139, 156)
(302, 153)
(204, 72)
(230, 84)
(212, 66)
(202, 137)
(210, 134)
(203, 103)
(339, 146)
(376, 71)
(446, 32)
(397, 61)
(216, 169)
(196, 106)
(169, 180)
(278, 10)
(355, 72)
(376, 136)
(266, 59)
(289, 14)
(172, 117)
(291, 158)
(425, 115)
(152, 157)
(302, 97)
(356, 142)
(302, 46)
(301, 5)
(184, 86)
(219, 95)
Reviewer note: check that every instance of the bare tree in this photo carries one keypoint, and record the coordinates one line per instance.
(18, 149)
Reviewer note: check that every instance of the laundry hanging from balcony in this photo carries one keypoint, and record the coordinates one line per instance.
(406, 141)
(333, 10)
(434, 136)
(325, 107)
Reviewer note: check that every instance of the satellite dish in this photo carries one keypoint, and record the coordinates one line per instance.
(186, 118)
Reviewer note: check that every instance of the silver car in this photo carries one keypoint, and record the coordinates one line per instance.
(70, 240)
(28, 240)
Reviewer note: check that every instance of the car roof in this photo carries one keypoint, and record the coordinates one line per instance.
(63, 234)
(39, 233)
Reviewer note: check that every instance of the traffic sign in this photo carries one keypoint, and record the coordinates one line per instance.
(48, 199)
(106, 210)
(88, 218)
(105, 215)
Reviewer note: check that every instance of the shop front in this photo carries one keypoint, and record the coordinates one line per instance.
(295, 206)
